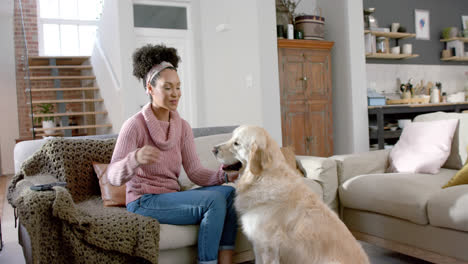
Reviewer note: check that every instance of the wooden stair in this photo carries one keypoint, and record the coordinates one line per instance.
(47, 74)
(65, 89)
(80, 77)
(63, 67)
(67, 101)
(71, 114)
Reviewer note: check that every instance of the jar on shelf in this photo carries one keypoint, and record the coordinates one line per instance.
(381, 47)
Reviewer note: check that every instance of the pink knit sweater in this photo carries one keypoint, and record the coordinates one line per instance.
(175, 141)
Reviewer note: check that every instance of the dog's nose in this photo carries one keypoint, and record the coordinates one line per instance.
(215, 150)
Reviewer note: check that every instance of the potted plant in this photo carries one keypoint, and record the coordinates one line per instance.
(47, 121)
(290, 6)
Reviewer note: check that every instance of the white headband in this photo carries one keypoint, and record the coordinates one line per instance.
(155, 70)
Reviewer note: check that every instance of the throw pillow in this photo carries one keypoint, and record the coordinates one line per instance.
(458, 152)
(460, 178)
(423, 147)
(111, 195)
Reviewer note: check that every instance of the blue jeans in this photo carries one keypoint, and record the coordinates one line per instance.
(212, 207)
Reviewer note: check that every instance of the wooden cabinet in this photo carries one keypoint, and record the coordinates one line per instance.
(306, 96)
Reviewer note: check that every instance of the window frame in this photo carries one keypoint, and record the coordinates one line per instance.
(59, 21)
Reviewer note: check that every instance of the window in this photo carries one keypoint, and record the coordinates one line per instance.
(68, 27)
(158, 16)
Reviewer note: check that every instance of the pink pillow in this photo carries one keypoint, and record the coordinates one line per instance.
(423, 147)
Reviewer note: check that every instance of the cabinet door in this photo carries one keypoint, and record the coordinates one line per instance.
(292, 84)
(317, 74)
(305, 89)
(307, 128)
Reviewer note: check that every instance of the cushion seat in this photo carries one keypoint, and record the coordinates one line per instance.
(177, 236)
(402, 195)
(448, 208)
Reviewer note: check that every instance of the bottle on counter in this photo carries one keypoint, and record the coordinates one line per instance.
(466, 86)
(435, 94)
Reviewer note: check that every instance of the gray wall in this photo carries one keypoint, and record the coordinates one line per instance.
(442, 14)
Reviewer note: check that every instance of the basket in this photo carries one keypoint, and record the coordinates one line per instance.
(313, 27)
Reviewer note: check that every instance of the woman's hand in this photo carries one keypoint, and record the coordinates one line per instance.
(147, 154)
(232, 176)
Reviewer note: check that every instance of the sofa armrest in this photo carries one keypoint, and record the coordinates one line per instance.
(353, 165)
(322, 170)
(21, 183)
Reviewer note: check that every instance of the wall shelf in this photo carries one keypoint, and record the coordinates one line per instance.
(389, 56)
(393, 35)
(390, 35)
(454, 58)
(452, 39)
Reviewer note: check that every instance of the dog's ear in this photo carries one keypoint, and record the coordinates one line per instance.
(259, 159)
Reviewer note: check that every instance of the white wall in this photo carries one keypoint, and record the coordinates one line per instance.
(8, 100)
(112, 62)
(107, 66)
(236, 70)
(269, 75)
(240, 65)
(344, 26)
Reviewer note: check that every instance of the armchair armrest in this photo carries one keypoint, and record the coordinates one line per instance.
(322, 170)
(353, 165)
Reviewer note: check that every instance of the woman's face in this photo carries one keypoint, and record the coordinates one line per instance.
(166, 93)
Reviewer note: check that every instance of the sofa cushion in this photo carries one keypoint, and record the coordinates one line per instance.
(204, 145)
(423, 147)
(448, 208)
(402, 195)
(178, 236)
(458, 152)
(460, 178)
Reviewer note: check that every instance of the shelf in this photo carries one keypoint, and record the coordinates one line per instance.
(393, 35)
(389, 56)
(452, 39)
(454, 58)
(387, 134)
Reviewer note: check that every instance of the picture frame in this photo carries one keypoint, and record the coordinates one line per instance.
(465, 22)
(421, 24)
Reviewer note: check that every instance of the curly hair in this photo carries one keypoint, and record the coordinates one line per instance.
(149, 55)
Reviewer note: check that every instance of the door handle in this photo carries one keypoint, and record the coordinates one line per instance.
(310, 139)
(304, 78)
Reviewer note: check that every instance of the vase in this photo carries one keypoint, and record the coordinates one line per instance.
(47, 125)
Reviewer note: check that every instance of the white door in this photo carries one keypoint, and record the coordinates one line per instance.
(180, 39)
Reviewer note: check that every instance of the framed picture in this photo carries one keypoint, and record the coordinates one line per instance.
(465, 22)
(421, 24)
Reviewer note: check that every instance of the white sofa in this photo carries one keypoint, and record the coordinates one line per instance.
(408, 213)
(178, 243)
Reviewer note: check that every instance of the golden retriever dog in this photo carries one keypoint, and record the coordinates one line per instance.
(285, 221)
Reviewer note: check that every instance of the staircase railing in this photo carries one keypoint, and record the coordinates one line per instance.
(25, 59)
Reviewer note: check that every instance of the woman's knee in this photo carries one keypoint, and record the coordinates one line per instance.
(228, 191)
(216, 200)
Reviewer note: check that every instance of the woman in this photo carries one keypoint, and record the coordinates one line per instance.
(152, 146)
